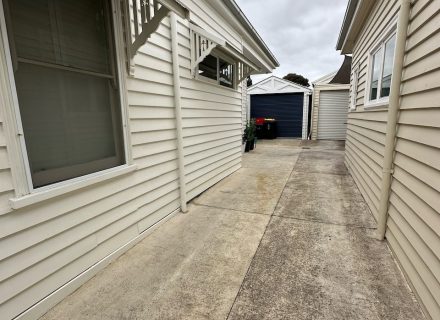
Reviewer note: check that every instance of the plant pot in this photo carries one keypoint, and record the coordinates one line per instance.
(243, 147)
(247, 147)
(252, 144)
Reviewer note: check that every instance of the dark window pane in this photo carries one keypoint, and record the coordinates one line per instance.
(69, 33)
(66, 116)
(388, 67)
(32, 27)
(208, 67)
(71, 120)
(226, 74)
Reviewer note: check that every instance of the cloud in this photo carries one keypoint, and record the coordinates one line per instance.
(301, 33)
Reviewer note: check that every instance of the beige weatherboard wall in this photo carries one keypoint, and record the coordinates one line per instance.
(180, 134)
(413, 206)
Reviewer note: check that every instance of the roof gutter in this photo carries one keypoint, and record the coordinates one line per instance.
(348, 18)
(357, 12)
(236, 11)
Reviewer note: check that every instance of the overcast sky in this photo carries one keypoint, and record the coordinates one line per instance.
(301, 33)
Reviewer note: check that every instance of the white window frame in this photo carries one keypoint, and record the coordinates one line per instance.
(354, 87)
(25, 193)
(220, 55)
(378, 102)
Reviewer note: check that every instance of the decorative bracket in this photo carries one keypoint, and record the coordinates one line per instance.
(202, 44)
(244, 71)
(245, 67)
(143, 18)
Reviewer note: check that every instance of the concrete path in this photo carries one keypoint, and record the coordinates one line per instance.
(288, 236)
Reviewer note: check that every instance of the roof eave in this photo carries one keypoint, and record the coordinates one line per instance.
(356, 14)
(236, 11)
(348, 17)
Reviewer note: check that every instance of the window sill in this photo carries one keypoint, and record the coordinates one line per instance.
(64, 187)
(215, 83)
(376, 105)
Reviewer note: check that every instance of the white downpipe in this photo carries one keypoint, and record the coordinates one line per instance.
(178, 109)
(393, 111)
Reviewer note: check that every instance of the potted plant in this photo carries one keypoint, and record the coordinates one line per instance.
(250, 135)
(245, 140)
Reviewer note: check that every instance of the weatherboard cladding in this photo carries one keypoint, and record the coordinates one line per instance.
(413, 229)
(46, 245)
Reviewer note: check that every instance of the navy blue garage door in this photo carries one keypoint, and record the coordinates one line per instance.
(287, 109)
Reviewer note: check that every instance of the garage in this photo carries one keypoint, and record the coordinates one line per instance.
(330, 104)
(284, 101)
(332, 119)
(286, 108)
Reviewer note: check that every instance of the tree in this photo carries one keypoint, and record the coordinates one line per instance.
(297, 78)
(249, 81)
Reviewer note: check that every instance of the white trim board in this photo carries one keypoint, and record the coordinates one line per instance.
(325, 79)
(274, 84)
(305, 124)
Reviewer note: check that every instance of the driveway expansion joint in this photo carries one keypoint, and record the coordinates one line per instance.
(348, 225)
(235, 210)
(262, 237)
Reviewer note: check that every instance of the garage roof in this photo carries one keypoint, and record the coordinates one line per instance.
(274, 84)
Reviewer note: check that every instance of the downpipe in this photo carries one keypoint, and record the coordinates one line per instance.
(393, 112)
(178, 112)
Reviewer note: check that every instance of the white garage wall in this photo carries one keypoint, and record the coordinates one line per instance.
(332, 119)
(316, 101)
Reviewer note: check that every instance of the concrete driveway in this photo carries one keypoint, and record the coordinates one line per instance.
(288, 236)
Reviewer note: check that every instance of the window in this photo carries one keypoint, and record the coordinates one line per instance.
(208, 67)
(226, 73)
(381, 70)
(218, 70)
(354, 88)
(388, 67)
(64, 66)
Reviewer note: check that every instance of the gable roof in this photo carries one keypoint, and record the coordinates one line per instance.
(344, 72)
(274, 84)
(342, 76)
(325, 79)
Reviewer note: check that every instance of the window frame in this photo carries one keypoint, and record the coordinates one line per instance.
(21, 172)
(354, 88)
(220, 55)
(381, 44)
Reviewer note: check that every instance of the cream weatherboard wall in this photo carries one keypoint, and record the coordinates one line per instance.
(366, 128)
(413, 226)
(414, 212)
(45, 248)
